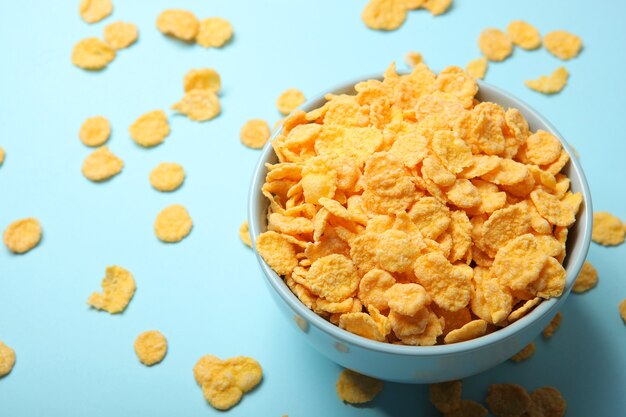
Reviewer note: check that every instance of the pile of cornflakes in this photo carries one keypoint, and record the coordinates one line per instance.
(412, 213)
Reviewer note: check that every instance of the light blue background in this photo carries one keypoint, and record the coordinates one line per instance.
(206, 293)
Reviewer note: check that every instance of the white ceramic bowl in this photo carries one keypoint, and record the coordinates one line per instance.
(425, 364)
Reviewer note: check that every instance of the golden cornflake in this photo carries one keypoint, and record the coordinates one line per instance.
(468, 408)
(333, 277)
(92, 54)
(557, 212)
(362, 324)
(519, 263)
(445, 396)
(214, 32)
(508, 400)
(562, 44)
(22, 235)
(471, 330)
(180, 24)
(118, 287)
(202, 79)
(2, 155)
(622, 310)
(437, 7)
(289, 100)
(101, 165)
(373, 287)
(525, 353)
(542, 148)
(550, 84)
(587, 278)
(524, 34)
(547, 402)
(150, 129)
(355, 388)
(7, 359)
(384, 14)
(120, 35)
(607, 229)
(477, 68)
(150, 347)
(495, 44)
(199, 105)
(254, 133)
(173, 224)
(224, 382)
(407, 299)
(276, 250)
(167, 176)
(448, 285)
(554, 324)
(244, 234)
(95, 131)
(413, 58)
(93, 11)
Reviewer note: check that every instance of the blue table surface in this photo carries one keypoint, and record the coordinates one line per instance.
(206, 294)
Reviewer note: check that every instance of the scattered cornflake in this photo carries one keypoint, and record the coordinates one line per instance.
(22, 235)
(118, 287)
(477, 68)
(587, 278)
(150, 129)
(554, 324)
(244, 234)
(550, 84)
(120, 35)
(495, 44)
(413, 58)
(2, 155)
(7, 359)
(150, 347)
(173, 224)
(468, 408)
(446, 396)
(437, 7)
(622, 309)
(255, 133)
(562, 44)
(224, 382)
(199, 105)
(202, 79)
(547, 402)
(101, 165)
(95, 131)
(508, 400)
(355, 388)
(384, 14)
(524, 35)
(92, 54)
(214, 32)
(93, 11)
(607, 229)
(289, 100)
(525, 353)
(167, 176)
(180, 24)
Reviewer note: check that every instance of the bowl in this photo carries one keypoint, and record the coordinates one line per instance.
(424, 364)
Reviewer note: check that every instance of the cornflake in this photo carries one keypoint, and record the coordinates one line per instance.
(167, 176)
(562, 44)
(289, 100)
(524, 35)
(547, 402)
(551, 84)
(214, 32)
(224, 382)
(355, 388)
(92, 54)
(554, 324)
(150, 347)
(477, 68)
(413, 58)
(93, 11)
(150, 129)
(384, 14)
(254, 133)
(587, 278)
(95, 131)
(622, 310)
(101, 165)
(173, 224)
(199, 105)
(437, 7)
(120, 35)
(7, 359)
(244, 234)
(411, 213)
(22, 235)
(508, 400)
(181, 24)
(445, 396)
(607, 229)
(118, 287)
(468, 408)
(525, 353)
(202, 79)
(495, 44)
(2, 155)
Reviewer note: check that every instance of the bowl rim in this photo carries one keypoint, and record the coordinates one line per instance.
(546, 307)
